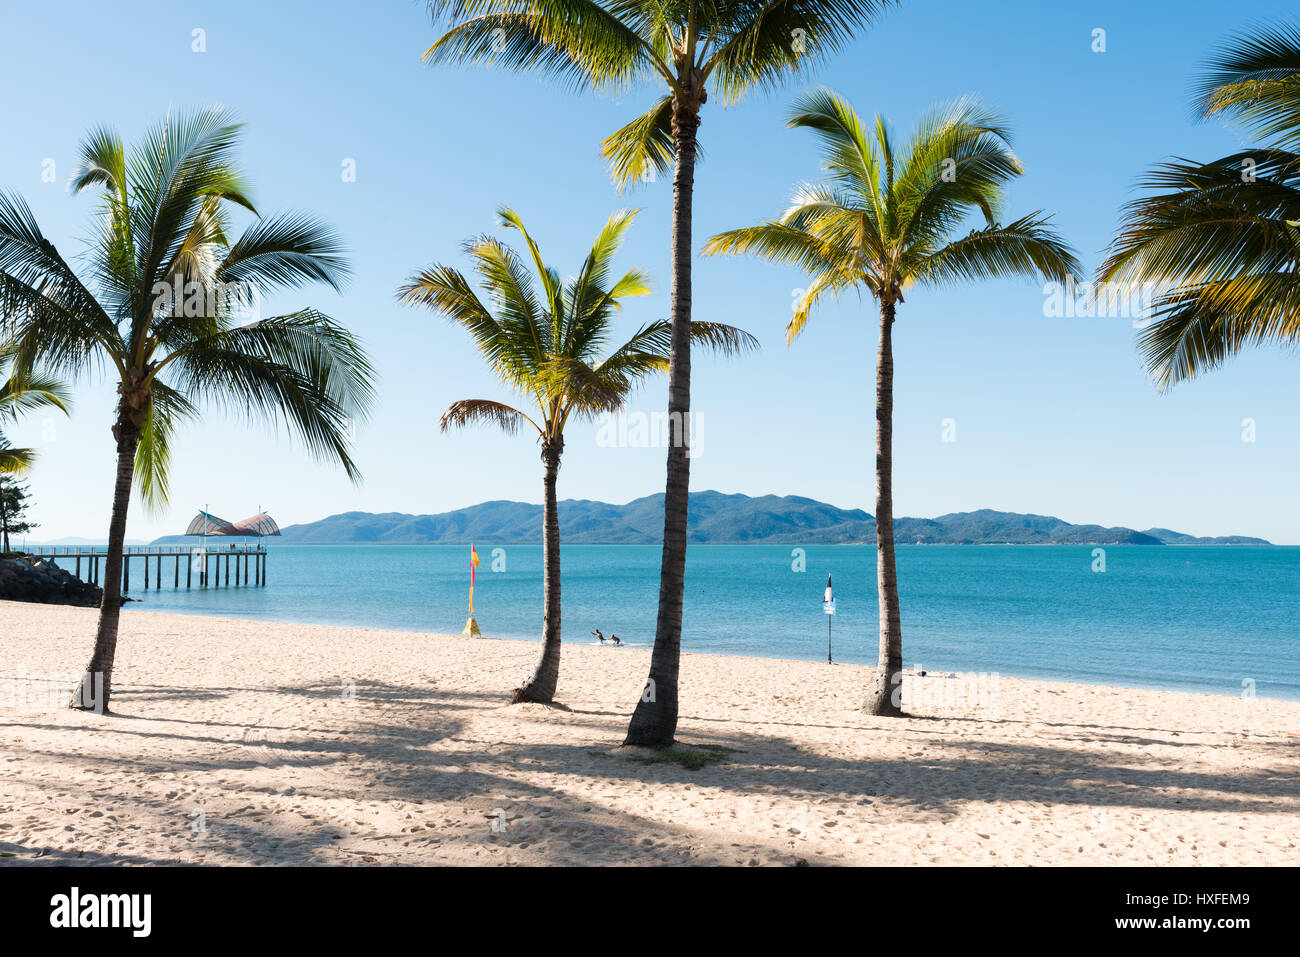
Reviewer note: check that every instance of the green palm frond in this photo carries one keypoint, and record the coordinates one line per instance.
(1197, 328)
(571, 385)
(855, 159)
(721, 338)
(648, 350)
(1256, 79)
(153, 455)
(521, 316)
(42, 300)
(29, 393)
(549, 278)
(787, 245)
(36, 391)
(1219, 242)
(15, 461)
(302, 369)
(286, 251)
(643, 148)
(484, 411)
(960, 160)
(1209, 222)
(182, 163)
(579, 41)
(446, 291)
(591, 296)
(826, 283)
(760, 43)
(1026, 247)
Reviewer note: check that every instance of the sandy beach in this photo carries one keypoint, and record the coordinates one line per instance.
(243, 742)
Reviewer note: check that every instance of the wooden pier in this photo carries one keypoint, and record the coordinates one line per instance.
(244, 565)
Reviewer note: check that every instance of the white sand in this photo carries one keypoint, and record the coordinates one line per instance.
(236, 743)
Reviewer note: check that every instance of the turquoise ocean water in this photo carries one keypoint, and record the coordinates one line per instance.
(1188, 618)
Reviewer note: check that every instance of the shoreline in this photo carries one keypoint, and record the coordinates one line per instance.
(646, 648)
(256, 743)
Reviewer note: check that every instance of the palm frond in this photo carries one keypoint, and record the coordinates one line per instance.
(15, 461)
(1025, 247)
(591, 295)
(1256, 79)
(823, 284)
(301, 369)
(853, 158)
(153, 456)
(36, 279)
(286, 251)
(785, 245)
(1210, 223)
(182, 163)
(648, 350)
(573, 384)
(31, 392)
(467, 412)
(721, 338)
(761, 43)
(446, 291)
(960, 160)
(520, 315)
(1195, 329)
(578, 41)
(644, 147)
(550, 279)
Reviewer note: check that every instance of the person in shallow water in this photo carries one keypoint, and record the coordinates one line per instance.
(614, 639)
(599, 636)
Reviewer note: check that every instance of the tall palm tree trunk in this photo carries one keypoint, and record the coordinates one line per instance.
(654, 723)
(886, 690)
(540, 687)
(91, 694)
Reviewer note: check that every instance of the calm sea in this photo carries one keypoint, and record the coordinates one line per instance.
(1191, 618)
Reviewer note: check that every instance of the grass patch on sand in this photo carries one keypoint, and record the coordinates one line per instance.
(691, 757)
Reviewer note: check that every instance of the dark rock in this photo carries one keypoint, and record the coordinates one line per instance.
(25, 578)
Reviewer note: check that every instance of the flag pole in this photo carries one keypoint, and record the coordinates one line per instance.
(471, 629)
(828, 605)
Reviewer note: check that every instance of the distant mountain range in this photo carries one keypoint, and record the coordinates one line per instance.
(716, 518)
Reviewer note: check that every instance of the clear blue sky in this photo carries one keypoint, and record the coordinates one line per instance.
(1052, 415)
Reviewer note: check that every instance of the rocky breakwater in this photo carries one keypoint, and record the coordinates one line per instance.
(25, 578)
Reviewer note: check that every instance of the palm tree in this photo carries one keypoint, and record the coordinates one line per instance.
(1220, 241)
(37, 392)
(171, 286)
(548, 348)
(733, 46)
(884, 220)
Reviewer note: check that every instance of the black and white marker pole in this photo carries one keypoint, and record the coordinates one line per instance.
(828, 604)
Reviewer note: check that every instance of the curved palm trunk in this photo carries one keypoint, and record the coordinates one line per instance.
(886, 690)
(91, 694)
(546, 673)
(654, 723)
